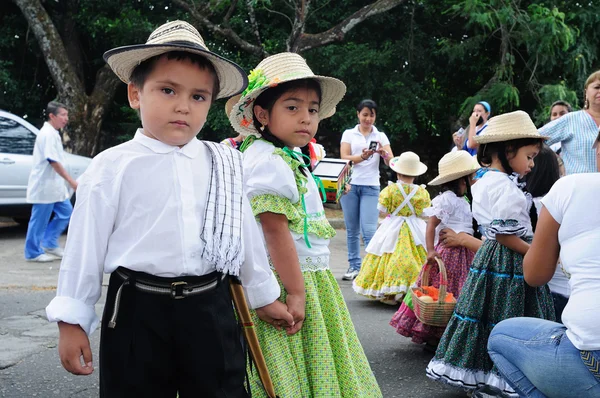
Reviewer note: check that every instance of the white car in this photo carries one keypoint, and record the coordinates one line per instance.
(17, 139)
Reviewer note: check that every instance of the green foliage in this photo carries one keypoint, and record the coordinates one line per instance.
(425, 63)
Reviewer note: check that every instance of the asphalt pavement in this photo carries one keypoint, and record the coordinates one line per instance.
(29, 364)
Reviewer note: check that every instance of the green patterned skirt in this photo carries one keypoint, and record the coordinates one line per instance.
(494, 290)
(325, 358)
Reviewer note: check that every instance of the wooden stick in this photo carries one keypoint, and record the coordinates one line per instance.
(239, 300)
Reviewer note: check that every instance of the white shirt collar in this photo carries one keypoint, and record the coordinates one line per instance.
(373, 130)
(191, 149)
(47, 125)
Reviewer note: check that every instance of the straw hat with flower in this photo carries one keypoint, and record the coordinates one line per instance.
(509, 126)
(176, 36)
(277, 69)
(454, 165)
(408, 164)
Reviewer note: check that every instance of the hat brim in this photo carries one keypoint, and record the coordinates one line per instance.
(123, 60)
(442, 179)
(420, 170)
(488, 138)
(332, 92)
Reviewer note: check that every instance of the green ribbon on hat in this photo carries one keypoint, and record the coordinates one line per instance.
(256, 79)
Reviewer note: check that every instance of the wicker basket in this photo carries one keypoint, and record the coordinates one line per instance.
(439, 312)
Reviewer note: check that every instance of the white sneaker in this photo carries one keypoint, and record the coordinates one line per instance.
(57, 251)
(42, 258)
(350, 275)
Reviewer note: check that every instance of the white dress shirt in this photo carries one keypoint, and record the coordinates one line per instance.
(45, 185)
(140, 205)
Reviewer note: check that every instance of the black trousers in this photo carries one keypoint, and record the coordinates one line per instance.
(162, 346)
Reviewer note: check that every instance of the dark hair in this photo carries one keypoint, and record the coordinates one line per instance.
(502, 150)
(561, 103)
(143, 70)
(54, 107)
(367, 103)
(453, 186)
(542, 177)
(267, 99)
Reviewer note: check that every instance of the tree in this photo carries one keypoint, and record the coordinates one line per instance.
(85, 110)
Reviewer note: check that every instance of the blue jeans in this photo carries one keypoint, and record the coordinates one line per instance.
(538, 360)
(41, 232)
(361, 216)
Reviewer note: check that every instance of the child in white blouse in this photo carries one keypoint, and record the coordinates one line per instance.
(279, 112)
(494, 289)
(147, 214)
(450, 209)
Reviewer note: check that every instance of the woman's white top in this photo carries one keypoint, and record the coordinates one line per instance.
(559, 282)
(500, 207)
(573, 203)
(367, 171)
(453, 212)
(267, 173)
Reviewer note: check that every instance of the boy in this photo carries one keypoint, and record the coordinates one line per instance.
(166, 216)
(47, 190)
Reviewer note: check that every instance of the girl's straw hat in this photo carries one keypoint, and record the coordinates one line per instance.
(408, 164)
(509, 126)
(230, 103)
(454, 165)
(176, 36)
(277, 69)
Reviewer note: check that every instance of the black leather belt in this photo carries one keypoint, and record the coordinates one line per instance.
(176, 289)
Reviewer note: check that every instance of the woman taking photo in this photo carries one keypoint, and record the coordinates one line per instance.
(576, 131)
(365, 146)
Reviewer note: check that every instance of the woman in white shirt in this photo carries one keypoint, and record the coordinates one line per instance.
(541, 358)
(365, 146)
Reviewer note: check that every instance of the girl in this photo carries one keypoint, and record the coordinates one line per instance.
(320, 355)
(538, 183)
(450, 209)
(396, 254)
(494, 289)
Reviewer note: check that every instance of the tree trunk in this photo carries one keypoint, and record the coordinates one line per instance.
(86, 112)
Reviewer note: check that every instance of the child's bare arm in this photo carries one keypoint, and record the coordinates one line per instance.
(432, 223)
(282, 251)
(514, 243)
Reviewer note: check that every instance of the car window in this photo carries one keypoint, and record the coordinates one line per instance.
(15, 138)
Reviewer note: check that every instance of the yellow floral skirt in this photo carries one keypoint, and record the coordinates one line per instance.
(391, 273)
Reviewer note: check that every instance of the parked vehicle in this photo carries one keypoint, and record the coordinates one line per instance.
(17, 139)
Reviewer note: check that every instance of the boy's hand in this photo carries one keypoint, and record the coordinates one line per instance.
(73, 343)
(276, 314)
(296, 304)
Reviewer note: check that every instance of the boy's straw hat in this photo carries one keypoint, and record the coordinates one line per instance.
(176, 36)
(277, 69)
(454, 165)
(509, 126)
(408, 164)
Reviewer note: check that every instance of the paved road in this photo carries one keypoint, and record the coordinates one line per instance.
(29, 365)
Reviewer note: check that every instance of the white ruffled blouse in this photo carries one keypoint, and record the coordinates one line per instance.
(500, 207)
(453, 212)
(271, 185)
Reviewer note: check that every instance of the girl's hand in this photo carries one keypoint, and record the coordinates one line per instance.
(296, 304)
(449, 238)
(347, 188)
(276, 314)
(431, 255)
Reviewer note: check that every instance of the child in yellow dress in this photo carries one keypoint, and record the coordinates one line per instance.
(396, 252)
